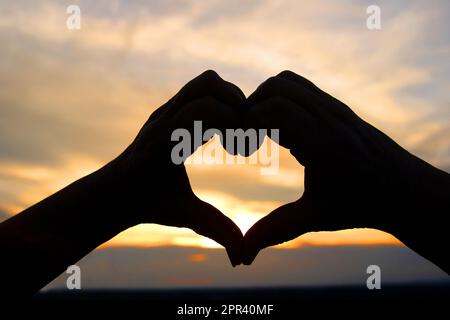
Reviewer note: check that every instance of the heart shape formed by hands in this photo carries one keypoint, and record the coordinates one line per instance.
(347, 161)
(355, 176)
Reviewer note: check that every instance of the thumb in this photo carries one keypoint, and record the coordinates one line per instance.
(208, 221)
(283, 224)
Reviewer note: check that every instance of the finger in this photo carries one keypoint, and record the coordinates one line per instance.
(209, 83)
(208, 221)
(345, 118)
(279, 87)
(190, 124)
(283, 224)
(306, 95)
(289, 75)
(298, 130)
(333, 105)
(202, 118)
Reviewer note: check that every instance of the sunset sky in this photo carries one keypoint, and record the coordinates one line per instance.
(72, 100)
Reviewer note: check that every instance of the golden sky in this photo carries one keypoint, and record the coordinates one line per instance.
(70, 101)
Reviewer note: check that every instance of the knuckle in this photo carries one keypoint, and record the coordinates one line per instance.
(287, 74)
(210, 76)
(272, 81)
(270, 85)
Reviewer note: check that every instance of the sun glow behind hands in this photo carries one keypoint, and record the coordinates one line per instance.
(258, 196)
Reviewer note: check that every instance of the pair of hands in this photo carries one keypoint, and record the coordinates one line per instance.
(355, 176)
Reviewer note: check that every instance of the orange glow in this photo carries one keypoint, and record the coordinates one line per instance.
(197, 258)
(155, 236)
(351, 237)
(245, 221)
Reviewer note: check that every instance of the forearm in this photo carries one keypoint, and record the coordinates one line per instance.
(38, 244)
(423, 221)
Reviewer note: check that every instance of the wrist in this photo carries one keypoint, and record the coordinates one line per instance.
(111, 203)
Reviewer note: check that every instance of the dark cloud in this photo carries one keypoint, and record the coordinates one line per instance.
(165, 267)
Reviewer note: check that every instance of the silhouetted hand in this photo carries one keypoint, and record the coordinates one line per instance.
(152, 189)
(355, 176)
(142, 185)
